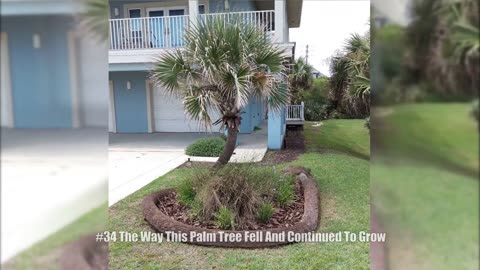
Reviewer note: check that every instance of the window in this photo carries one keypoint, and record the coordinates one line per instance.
(135, 13)
(201, 9)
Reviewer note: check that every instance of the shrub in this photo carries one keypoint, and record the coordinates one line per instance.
(224, 218)
(265, 212)
(315, 100)
(241, 188)
(206, 147)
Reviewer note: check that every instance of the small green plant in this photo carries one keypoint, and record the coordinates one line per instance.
(265, 212)
(224, 218)
(285, 193)
(256, 128)
(186, 192)
(206, 147)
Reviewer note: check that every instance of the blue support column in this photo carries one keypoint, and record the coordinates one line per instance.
(277, 126)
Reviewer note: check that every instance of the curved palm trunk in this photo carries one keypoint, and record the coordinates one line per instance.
(229, 147)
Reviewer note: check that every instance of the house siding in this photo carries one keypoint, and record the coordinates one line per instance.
(218, 6)
(130, 105)
(212, 6)
(40, 76)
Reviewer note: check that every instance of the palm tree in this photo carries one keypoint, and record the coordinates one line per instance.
(350, 77)
(300, 78)
(222, 66)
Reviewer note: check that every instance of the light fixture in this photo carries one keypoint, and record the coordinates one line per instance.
(37, 44)
(129, 85)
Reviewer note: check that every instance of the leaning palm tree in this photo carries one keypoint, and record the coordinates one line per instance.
(222, 66)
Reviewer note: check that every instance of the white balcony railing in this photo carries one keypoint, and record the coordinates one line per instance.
(295, 112)
(147, 33)
(168, 32)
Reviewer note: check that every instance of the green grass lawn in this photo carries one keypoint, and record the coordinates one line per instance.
(424, 187)
(344, 135)
(430, 214)
(44, 255)
(442, 133)
(344, 185)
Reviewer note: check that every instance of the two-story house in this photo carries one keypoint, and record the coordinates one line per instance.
(141, 30)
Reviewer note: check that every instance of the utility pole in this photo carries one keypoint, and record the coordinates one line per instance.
(306, 55)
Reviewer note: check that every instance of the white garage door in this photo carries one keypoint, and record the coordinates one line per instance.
(169, 115)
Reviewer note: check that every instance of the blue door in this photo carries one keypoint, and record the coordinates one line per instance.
(157, 29)
(176, 27)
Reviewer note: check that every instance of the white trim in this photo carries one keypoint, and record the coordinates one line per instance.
(74, 82)
(149, 88)
(111, 106)
(7, 99)
(136, 56)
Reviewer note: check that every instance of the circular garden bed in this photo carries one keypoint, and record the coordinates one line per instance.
(165, 214)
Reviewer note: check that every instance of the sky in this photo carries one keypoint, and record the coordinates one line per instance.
(324, 27)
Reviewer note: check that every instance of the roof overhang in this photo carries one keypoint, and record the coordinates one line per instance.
(294, 10)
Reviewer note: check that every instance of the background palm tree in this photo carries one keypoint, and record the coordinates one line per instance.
(300, 79)
(223, 66)
(350, 77)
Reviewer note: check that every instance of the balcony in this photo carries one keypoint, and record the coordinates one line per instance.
(295, 114)
(167, 32)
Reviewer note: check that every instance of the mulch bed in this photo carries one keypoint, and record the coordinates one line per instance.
(281, 156)
(163, 223)
(286, 217)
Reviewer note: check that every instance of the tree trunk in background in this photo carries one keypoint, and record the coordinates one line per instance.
(229, 148)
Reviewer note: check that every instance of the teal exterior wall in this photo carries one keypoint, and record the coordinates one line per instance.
(130, 105)
(40, 77)
(252, 115)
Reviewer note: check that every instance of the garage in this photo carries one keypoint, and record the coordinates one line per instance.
(169, 114)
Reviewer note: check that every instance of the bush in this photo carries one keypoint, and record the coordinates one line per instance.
(315, 99)
(265, 212)
(224, 219)
(241, 188)
(206, 147)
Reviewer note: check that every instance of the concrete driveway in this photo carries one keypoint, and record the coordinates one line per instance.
(137, 159)
(49, 178)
